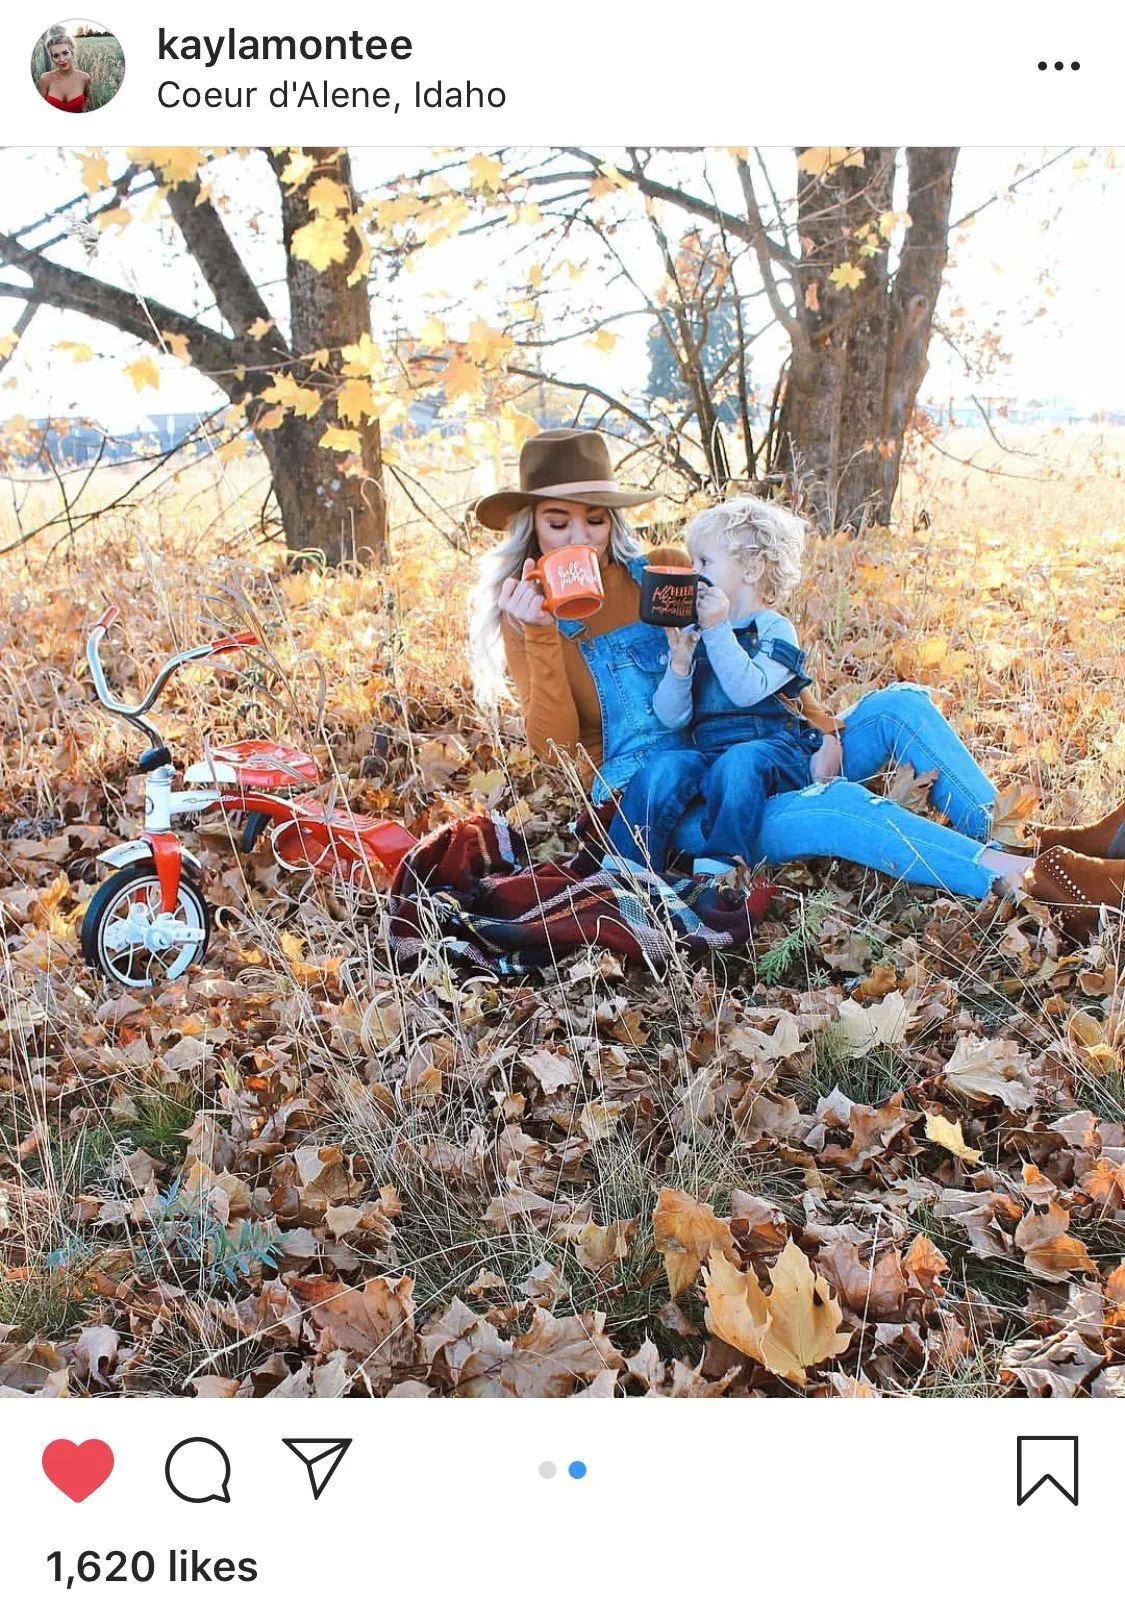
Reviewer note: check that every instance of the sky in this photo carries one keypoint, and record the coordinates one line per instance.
(1039, 266)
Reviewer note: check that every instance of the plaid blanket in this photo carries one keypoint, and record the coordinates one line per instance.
(472, 889)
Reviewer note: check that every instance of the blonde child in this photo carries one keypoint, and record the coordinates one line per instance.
(734, 681)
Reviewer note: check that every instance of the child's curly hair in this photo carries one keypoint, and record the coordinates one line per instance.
(749, 526)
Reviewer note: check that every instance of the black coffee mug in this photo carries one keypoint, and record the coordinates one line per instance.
(668, 596)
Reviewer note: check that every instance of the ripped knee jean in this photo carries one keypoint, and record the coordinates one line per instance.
(845, 820)
(902, 724)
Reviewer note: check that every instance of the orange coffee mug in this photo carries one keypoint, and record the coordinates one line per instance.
(571, 581)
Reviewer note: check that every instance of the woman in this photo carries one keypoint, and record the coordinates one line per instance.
(66, 86)
(586, 690)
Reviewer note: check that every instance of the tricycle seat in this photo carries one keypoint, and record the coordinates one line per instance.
(256, 764)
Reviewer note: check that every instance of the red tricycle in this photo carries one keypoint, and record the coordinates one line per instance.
(149, 922)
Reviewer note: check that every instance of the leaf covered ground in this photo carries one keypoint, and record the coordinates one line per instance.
(881, 1153)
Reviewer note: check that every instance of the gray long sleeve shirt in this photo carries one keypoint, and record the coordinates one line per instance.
(745, 679)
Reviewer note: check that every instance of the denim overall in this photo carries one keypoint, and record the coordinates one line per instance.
(626, 666)
(737, 759)
(717, 724)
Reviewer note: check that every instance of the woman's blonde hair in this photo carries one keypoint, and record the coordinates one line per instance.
(748, 526)
(57, 35)
(486, 644)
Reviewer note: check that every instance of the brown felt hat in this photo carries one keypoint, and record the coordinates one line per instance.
(560, 464)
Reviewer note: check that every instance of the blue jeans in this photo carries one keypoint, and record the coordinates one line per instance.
(734, 785)
(654, 801)
(842, 819)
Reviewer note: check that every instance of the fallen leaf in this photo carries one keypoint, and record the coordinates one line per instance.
(990, 1069)
(939, 1130)
(552, 1069)
(687, 1231)
(864, 1027)
(797, 1327)
(1049, 1250)
(374, 1322)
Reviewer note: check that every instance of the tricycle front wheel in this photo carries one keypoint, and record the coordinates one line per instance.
(130, 940)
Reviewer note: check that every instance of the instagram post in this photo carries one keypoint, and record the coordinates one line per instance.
(562, 798)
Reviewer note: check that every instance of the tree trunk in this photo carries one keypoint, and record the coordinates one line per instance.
(916, 288)
(322, 506)
(859, 353)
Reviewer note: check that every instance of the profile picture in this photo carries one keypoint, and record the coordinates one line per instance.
(77, 65)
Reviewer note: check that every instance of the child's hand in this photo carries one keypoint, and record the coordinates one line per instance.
(681, 644)
(828, 760)
(711, 606)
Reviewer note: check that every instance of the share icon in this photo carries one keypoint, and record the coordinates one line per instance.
(321, 1458)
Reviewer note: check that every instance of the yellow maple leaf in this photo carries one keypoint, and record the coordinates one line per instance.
(445, 221)
(362, 359)
(76, 352)
(431, 335)
(144, 373)
(175, 163)
(177, 343)
(890, 220)
(8, 343)
(515, 427)
(484, 171)
(399, 209)
(603, 341)
(326, 197)
(346, 440)
(461, 380)
(297, 169)
(939, 1130)
(355, 400)
(321, 242)
(819, 159)
(269, 420)
(933, 651)
(95, 171)
(488, 345)
(260, 327)
(114, 217)
(361, 267)
(847, 275)
(286, 391)
(795, 1328)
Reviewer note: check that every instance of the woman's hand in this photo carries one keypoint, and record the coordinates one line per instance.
(522, 600)
(681, 645)
(828, 760)
(711, 606)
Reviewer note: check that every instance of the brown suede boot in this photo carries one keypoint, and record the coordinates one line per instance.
(1104, 840)
(1077, 887)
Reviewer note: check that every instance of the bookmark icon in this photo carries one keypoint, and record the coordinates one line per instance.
(1047, 1458)
(321, 1458)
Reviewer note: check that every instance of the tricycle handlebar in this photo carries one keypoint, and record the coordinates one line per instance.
(135, 714)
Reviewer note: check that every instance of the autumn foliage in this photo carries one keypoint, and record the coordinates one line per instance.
(882, 1153)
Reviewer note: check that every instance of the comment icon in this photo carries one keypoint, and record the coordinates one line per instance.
(198, 1470)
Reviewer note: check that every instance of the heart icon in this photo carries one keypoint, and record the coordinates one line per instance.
(78, 1469)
